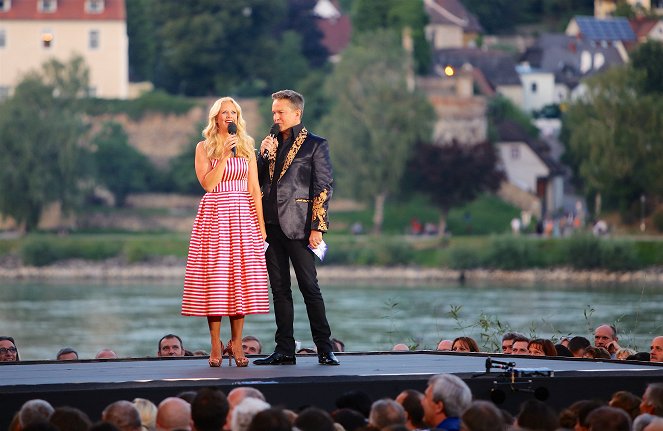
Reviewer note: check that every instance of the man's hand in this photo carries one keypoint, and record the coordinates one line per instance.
(315, 238)
(269, 144)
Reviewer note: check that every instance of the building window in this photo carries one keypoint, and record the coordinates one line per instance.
(5, 5)
(94, 6)
(4, 93)
(47, 38)
(533, 87)
(515, 152)
(3, 38)
(94, 39)
(47, 5)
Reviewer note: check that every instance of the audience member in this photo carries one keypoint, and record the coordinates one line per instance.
(67, 354)
(209, 410)
(641, 421)
(187, 396)
(464, 344)
(519, 346)
(655, 425)
(444, 345)
(608, 419)
(507, 341)
(623, 353)
(577, 346)
(34, 411)
(251, 345)
(147, 412)
(337, 345)
(386, 412)
(652, 400)
(411, 400)
(199, 353)
(584, 408)
(350, 419)
(626, 401)
(123, 415)
(173, 414)
(314, 419)
(400, 347)
(70, 419)
(355, 400)
(445, 399)
(656, 350)
(8, 350)
(272, 419)
(596, 353)
(536, 415)
(170, 345)
(243, 413)
(541, 347)
(606, 336)
(563, 351)
(640, 356)
(106, 354)
(482, 416)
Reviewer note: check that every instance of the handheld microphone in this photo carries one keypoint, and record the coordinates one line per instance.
(273, 132)
(232, 129)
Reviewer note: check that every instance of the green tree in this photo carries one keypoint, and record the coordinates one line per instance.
(142, 45)
(182, 168)
(121, 168)
(647, 61)
(42, 157)
(375, 121)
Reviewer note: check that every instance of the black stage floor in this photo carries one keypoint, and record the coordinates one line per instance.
(91, 385)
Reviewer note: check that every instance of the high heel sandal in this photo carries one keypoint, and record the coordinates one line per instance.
(216, 362)
(241, 361)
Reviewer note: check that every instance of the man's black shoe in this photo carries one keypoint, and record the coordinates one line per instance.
(276, 358)
(328, 358)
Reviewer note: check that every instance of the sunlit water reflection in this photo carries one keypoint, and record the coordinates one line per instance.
(130, 318)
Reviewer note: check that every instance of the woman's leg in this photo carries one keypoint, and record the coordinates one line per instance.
(214, 324)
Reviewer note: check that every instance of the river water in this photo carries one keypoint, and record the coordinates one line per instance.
(130, 318)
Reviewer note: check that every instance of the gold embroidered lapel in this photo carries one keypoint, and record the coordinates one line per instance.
(289, 157)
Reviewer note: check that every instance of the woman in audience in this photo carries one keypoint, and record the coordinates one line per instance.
(8, 350)
(541, 347)
(464, 344)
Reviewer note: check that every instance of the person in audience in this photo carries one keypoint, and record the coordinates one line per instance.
(623, 353)
(349, 419)
(272, 419)
(541, 347)
(482, 416)
(400, 347)
(123, 415)
(70, 419)
(187, 396)
(386, 412)
(608, 419)
(444, 345)
(655, 425)
(640, 356)
(606, 336)
(626, 401)
(592, 352)
(236, 396)
(67, 354)
(8, 350)
(411, 400)
(174, 414)
(641, 421)
(536, 415)
(507, 341)
(563, 351)
(243, 413)
(209, 410)
(34, 411)
(652, 399)
(170, 345)
(445, 399)
(148, 413)
(251, 345)
(106, 354)
(520, 345)
(314, 419)
(464, 344)
(577, 346)
(583, 409)
(337, 345)
(656, 349)
(356, 400)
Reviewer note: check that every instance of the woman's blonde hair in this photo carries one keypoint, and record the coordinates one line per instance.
(214, 145)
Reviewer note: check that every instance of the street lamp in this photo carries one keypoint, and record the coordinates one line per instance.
(642, 213)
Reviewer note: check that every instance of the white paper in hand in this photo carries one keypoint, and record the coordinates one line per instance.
(320, 250)
(265, 246)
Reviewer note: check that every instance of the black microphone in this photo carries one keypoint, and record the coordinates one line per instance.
(232, 129)
(273, 132)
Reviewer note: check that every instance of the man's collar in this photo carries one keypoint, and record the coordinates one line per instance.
(294, 130)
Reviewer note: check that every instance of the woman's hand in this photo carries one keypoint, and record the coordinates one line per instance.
(230, 143)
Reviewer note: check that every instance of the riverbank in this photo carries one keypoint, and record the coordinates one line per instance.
(170, 268)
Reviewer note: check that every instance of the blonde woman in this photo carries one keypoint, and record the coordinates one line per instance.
(225, 270)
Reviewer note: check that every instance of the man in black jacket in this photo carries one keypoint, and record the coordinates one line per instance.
(295, 175)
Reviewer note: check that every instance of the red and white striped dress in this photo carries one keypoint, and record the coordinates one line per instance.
(225, 269)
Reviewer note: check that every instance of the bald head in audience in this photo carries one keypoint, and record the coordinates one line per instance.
(173, 414)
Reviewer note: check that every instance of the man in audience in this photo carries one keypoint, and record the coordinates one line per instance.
(236, 396)
(123, 414)
(444, 345)
(656, 349)
(400, 347)
(209, 410)
(608, 419)
(507, 341)
(445, 399)
(652, 400)
(67, 354)
(174, 414)
(410, 400)
(314, 419)
(337, 345)
(33, 412)
(251, 345)
(105, 354)
(481, 416)
(520, 345)
(606, 336)
(386, 412)
(170, 345)
(577, 346)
